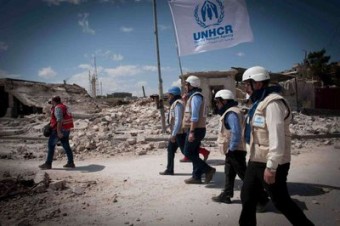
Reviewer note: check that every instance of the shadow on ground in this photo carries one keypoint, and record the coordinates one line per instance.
(84, 169)
(216, 162)
(294, 188)
(305, 189)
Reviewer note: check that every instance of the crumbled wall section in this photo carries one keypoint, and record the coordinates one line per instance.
(23, 96)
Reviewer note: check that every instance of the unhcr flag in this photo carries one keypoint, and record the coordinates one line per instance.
(204, 25)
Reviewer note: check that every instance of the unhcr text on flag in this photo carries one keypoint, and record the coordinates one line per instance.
(204, 25)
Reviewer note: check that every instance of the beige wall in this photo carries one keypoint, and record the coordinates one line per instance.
(207, 83)
(305, 93)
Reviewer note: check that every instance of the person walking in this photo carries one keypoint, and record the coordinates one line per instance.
(230, 142)
(268, 139)
(177, 137)
(61, 123)
(194, 121)
(202, 151)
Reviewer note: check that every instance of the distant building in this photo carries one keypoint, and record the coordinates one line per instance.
(119, 95)
(212, 82)
(22, 97)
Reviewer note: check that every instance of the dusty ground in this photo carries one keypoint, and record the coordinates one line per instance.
(127, 190)
(117, 181)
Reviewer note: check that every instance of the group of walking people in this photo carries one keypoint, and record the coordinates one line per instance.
(262, 133)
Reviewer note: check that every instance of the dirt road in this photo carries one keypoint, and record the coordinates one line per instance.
(128, 190)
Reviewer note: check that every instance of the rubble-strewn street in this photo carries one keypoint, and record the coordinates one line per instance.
(119, 152)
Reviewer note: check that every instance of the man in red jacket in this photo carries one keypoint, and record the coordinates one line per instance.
(61, 123)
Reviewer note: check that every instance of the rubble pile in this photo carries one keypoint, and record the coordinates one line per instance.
(135, 128)
(309, 125)
(35, 197)
(128, 128)
(119, 130)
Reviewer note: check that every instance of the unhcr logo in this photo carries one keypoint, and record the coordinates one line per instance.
(211, 13)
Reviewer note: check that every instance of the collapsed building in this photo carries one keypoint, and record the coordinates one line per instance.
(22, 97)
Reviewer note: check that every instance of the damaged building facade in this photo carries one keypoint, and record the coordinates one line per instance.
(21, 97)
(213, 81)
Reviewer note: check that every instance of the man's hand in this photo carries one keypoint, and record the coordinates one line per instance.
(60, 134)
(191, 137)
(269, 176)
(172, 139)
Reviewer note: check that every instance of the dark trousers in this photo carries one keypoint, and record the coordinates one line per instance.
(172, 148)
(235, 164)
(278, 192)
(191, 150)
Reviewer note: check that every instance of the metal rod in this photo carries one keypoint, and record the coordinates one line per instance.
(160, 82)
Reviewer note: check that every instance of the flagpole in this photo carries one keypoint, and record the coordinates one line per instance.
(179, 63)
(179, 60)
(178, 57)
(160, 81)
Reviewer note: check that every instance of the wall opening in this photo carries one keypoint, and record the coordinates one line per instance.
(213, 91)
(3, 101)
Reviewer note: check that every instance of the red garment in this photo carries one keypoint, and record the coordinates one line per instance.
(67, 122)
(202, 151)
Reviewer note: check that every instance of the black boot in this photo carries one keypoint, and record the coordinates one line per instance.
(222, 198)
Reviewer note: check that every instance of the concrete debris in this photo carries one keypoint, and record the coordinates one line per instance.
(57, 185)
(136, 127)
(78, 190)
(315, 202)
(29, 196)
(42, 178)
(132, 141)
(40, 188)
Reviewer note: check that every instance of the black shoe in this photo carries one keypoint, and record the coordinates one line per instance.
(192, 180)
(45, 166)
(261, 206)
(166, 172)
(69, 165)
(222, 198)
(209, 175)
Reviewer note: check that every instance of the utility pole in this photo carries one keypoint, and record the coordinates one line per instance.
(95, 77)
(160, 82)
(93, 80)
(143, 91)
(101, 88)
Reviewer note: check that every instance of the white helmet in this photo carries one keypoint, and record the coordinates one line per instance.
(225, 94)
(194, 81)
(257, 73)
